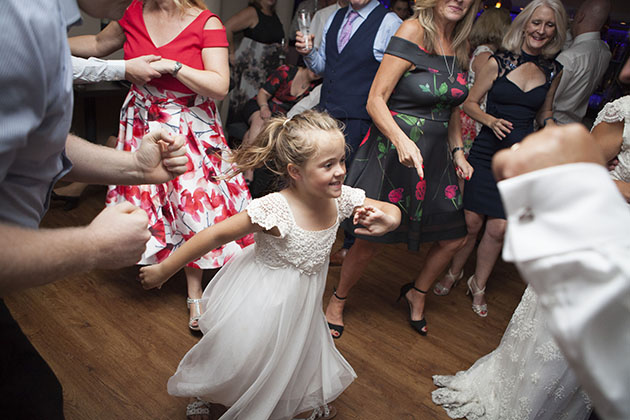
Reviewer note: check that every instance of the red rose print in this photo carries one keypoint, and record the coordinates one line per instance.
(456, 93)
(395, 195)
(421, 189)
(156, 114)
(157, 231)
(367, 136)
(461, 79)
(433, 70)
(450, 191)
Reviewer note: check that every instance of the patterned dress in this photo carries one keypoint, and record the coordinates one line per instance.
(278, 85)
(195, 200)
(266, 351)
(525, 378)
(421, 105)
(470, 127)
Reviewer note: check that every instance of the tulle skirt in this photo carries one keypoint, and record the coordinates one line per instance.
(266, 351)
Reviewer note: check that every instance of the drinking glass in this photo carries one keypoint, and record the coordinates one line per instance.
(304, 25)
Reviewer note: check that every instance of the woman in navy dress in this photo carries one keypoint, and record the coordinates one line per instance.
(520, 81)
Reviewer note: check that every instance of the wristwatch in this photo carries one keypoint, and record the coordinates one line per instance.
(176, 69)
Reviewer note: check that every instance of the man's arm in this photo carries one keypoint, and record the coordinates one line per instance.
(115, 238)
(160, 158)
(569, 235)
(91, 70)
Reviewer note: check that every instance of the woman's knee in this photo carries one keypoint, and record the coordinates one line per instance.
(495, 229)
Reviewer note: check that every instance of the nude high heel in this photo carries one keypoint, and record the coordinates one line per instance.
(481, 310)
(440, 290)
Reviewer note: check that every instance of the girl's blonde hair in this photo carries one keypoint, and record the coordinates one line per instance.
(423, 11)
(490, 27)
(513, 40)
(283, 141)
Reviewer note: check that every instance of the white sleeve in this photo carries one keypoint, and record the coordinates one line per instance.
(308, 102)
(94, 70)
(569, 234)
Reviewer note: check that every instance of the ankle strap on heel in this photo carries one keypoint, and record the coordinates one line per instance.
(337, 296)
(424, 292)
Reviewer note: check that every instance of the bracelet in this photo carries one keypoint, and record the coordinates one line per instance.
(547, 119)
(455, 149)
(260, 106)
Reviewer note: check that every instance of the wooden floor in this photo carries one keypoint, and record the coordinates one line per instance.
(114, 345)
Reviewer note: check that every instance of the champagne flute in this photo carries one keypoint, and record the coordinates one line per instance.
(304, 25)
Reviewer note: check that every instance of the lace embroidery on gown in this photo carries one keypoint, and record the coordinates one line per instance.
(615, 111)
(306, 250)
(525, 377)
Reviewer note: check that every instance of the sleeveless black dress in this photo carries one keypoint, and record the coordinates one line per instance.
(507, 101)
(421, 104)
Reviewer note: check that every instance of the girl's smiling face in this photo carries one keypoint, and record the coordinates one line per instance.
(323, 174)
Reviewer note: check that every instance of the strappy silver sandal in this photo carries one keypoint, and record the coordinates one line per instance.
(197, 408)
(324, 412)
(194, 319)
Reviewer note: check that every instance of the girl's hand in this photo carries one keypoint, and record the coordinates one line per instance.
(409, 155)
(151, 276)
(501, 127)
(375, 221)
(463, 169)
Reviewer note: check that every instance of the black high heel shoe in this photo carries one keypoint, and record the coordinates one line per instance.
(416, 325)
(336, 328)
(70, 202)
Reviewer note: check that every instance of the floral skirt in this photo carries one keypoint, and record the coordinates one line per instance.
(431, 207)
(195, 200)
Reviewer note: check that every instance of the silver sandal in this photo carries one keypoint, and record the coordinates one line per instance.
(324, 412)
(197, 408)
(191, 321)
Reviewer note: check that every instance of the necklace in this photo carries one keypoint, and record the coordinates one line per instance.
(452, 69)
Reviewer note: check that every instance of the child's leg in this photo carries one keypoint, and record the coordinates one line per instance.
(193, 283)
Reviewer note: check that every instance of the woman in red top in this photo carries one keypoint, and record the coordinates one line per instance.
(192, 44)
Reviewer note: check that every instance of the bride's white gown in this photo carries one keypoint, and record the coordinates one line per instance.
(525, 377)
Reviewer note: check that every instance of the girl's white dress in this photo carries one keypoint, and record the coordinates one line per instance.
(266, 351)
(525, 378)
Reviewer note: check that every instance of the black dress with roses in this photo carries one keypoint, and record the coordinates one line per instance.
(508, 101)
(421, 105)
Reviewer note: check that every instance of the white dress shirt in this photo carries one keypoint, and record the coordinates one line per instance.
(319, 22)
(569, 234)
(92, 70)
(584, 65)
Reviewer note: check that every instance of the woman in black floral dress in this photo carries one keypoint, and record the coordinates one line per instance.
(413, 152)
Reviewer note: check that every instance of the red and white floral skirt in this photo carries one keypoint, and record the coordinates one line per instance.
(195, 200)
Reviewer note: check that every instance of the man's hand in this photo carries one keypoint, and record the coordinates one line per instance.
(300, 43)
(139, 71)
(161, 157)
(551, 146)
(120, 233)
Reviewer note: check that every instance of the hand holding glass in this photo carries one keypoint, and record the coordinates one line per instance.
(304, 24)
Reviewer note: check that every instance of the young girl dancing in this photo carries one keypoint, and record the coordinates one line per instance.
(266, 352)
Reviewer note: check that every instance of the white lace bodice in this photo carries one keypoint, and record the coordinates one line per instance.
(615, 111)
(305, 250)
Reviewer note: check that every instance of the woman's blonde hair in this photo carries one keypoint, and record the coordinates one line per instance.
(515, 36)
(423, 11)
(183, 5)
(283, 141)
(490, 27)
